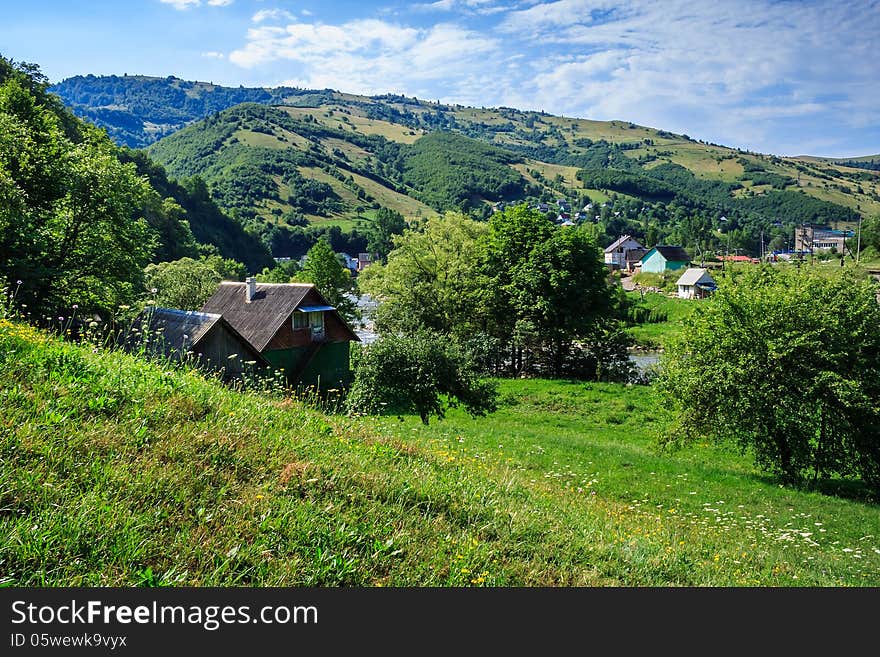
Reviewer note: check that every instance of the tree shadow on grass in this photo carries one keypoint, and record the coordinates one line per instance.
(853, 490)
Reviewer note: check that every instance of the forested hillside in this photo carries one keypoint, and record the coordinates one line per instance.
(80, 217)
(291, 158)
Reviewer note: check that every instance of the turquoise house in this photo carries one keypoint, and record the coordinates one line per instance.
(665, 258)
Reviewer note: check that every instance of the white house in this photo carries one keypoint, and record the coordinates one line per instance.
(695, 283)
(615, 254)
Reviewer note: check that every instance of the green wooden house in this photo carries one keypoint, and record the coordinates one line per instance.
(291, 326)
(665, 258)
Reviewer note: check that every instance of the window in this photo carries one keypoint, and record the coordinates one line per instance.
(300, 320)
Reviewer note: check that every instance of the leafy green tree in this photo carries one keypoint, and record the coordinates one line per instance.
(433, 278)
(561, 294)
(549, 297)
(71, 225)
(229, 269)
(787, 365)
(423, 373)
(333, 280)
(385, 226)
(185, 284)
(870, 233)
(283, 272)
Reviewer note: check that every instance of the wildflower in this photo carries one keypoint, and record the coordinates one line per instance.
(153, 290)
(75, 306)
(259, 497)
(18, 282)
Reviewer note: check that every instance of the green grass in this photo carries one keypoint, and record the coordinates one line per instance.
(657, 335)
(114, 471)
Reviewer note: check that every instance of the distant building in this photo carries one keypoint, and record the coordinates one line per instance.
(695, 283)
(622, 251)
(808, 238)
(364, 260)
(664, 258)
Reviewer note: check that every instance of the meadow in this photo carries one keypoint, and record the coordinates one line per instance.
(116, 471)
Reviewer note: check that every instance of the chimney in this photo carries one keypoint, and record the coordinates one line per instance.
(250, 288)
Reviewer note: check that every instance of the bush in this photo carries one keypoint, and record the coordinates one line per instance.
(423, 373)
(786, 364)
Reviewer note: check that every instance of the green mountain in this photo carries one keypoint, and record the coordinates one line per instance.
(293, 156)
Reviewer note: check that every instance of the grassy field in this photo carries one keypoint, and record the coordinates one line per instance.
(658, 334)
(119, 472)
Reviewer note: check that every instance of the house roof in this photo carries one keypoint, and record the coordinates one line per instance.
(620, 240)
(259, 320)
(180, 330)
(694, 275)
(634, 255)
(672, 253)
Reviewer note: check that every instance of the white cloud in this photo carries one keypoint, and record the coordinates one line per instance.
(372, 56)
(738, 73)
(482, 7)
(181, 4)
(213, 54)
(186, 4)
(264, 15)
(725, 70)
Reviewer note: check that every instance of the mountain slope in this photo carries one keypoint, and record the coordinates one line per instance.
(300, 156)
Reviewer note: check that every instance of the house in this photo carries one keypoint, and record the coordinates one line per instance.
(206, 338)
(291, 325)
(664, 258)
(363, 261)
(695, 283)
(616, 253)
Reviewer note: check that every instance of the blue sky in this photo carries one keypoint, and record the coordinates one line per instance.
(787, 77)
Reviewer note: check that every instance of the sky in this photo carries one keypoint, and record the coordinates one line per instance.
(787, 77)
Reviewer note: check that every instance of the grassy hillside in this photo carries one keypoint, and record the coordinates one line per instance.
(119, 472)
(544, 139)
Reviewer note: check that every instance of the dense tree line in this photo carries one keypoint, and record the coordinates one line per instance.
(526, 296)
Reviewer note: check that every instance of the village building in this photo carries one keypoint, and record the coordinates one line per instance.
(695, 283)
(664, 258)
(809, 239)
(203, 339)
(291, 326)
(624, 252)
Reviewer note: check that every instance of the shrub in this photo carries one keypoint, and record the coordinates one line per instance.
(423, 373)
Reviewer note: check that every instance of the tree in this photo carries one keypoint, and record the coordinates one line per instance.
(549, 299)
(423, 373)
(71, 220)
(185, 284)
(561, 293)
(433, 278)
(283, 272)
(787, 365)
(331, 278)
(385, 226)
